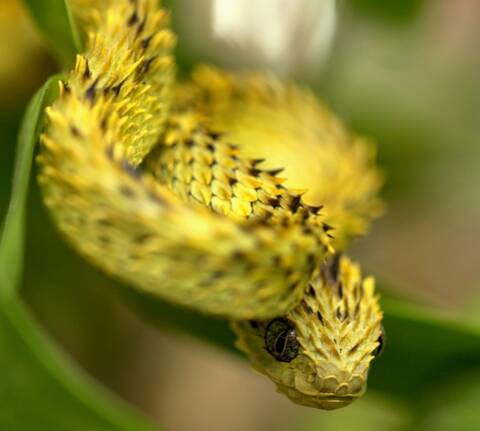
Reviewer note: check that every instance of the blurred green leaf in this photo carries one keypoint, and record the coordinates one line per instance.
(397, 11)
(12, 236)
(454, 408)
(55, 20)
(39, 388)
(424, 348)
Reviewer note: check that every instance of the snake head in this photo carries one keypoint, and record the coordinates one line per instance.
(319, 353)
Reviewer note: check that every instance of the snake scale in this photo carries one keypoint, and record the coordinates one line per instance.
(174, 188)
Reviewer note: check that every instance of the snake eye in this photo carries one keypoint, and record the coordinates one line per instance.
(381, 344)
(281, 340)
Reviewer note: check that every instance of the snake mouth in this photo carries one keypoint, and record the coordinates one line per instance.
(333, 402)
(324, 401)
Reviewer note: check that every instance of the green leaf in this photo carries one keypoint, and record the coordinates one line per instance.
(395, 11)
(39, 388)
(12, 236)
(453, 408)
(424, 348)
(55, 20)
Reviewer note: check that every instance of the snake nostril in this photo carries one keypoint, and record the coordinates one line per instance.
(329, 385)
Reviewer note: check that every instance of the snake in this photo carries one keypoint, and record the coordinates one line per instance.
(176, 187)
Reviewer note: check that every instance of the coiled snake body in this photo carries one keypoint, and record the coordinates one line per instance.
(173, 187)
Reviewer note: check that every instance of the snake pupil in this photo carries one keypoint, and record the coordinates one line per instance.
(281, 340)
(281, 343)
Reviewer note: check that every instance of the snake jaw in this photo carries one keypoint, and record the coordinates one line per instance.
(337, 328)
(323, 402)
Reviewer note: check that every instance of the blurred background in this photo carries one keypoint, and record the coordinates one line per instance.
(405, 73)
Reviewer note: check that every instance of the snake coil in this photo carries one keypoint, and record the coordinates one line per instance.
(174, 187)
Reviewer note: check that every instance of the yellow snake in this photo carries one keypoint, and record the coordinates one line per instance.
(164, 185)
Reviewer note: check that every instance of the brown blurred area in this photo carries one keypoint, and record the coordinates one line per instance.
(24, 59)
(415, 89)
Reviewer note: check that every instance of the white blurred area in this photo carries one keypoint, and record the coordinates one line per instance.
(287, 37)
